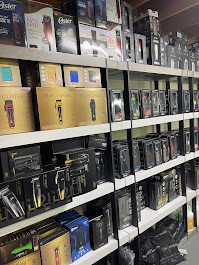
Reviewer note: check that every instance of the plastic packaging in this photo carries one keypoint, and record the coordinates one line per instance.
(190, 216)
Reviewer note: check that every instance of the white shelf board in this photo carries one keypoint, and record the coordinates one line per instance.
(196, 74)
(101, 190)
(112, 64)
(189, 156)
(190, 194)
(196, 115)
(197, 193)
(188, 116)
(187, 73)
(122, 65)
(19, 139)
(13, 52)
(196, 154)
(123, 237)
(132, 231)
(156, 120)
(120, 125)
(150, 217)
(120, 183)
(144, 174)
(96, 255)
(130, 180)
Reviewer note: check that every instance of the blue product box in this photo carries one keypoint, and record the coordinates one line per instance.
(67, 217)
(100, 14)
(12, 23)
(79, 237)
(85, 12)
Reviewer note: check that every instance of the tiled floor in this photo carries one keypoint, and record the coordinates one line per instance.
(192, 247)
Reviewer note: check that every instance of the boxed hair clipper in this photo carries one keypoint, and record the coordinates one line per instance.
(195, 101)
(50, 75)
(187, 105)
(117, 105)
(114, 42)
(9, 73)
(146, 103)
(172, 57)
(136, 156)
(73, 76)
(135, 104)
(100, 13)
(147, 153)
(163, 51)
(92, 77)
(163, 102)
(140, 49)
(155, 103)
(153, 50)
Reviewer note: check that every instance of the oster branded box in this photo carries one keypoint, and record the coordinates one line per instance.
(39, 26)
(100, 13)
(9, 73)
(12, 23)
(16, 112)
(50, 75)
(56, 107)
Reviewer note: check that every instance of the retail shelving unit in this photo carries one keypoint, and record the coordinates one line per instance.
(149, 217)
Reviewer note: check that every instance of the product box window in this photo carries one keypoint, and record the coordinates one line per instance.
(153, 50)
(165, 149)
(140, 49)
(93, 41)
(50, 75)
(179, 50)
(172, 57)
(146, 103)
(73, 76)
(65, 33)
(136, 156)
(147, 153)
(185, 56)
(196, 140)
(117, 105)
(158, 152)
(135, 104)
(12, 205)
(92, 77)
(192, 61)
(155, 103)
(187, 107)
(196, 101)
(91, 106)
(164, 52)
(173, 101)
(187, 142)
(124, 205)
(39, 23)
(114, 43)
(100, 13)
(9, 73)
(61, 105)
(16, 112)
(121, 161)
(12, 23)
(163, 102)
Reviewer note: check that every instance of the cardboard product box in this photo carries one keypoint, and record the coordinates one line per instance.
(196, 139)
(128, 46)
(187, 142)
(98, 232)
(20, 162)
(30, 76)
(165, 149)
(142, 189)
(179, 49)
(164, 52)
(158, 151)
(136, 156)
(124, 208)
(195, 48)
(121, 161)
(12, 23)
(12, 206)
(101, 166)
(16, 112)
(174, 184)
(146, 103)
(114, 42)
(172, 101)
(30, 259)
(56, 248)
(177, 36)
(163, 102)
(147, 153)
(158, 194)
(92, 77)
(61, 105)
(117, 105)
(196, 101)
(135, 104)
(91, 106)
(139, 217)
(9, 73)
(127, 20)
(172, 57)
(19, 245)
(192, 61)
(113, 10)
(155, 103)
(65, 33)
(185, 56)
(37, 194)
(153, 50)
(50, 75)
(39, 23)
(187, 101)
(93, 41)
(73, 76)
(100, 13)
(79, 237)
(140, 49)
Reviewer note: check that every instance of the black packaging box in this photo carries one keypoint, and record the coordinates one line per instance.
(158, 194)
(165, 149)
(20, 162)
(101, 166)
(146, 103)
(136, 156)
(197, 59)
(174, 184)
(158, 151)
(98, 232)
(185, 50)
(140, 49)
(192, 61)
(196, 100)
(172, 101)
(100, 13)
(172, 57)
(155, 103)
(12, 205)
(179, 50)
(124, 208)
(65, 33)
(177, 36)
(173, 146)
(196, 140)
(187, 142)
(60, 185)
(163, 102)
(147, 153)
(138, 206)
(186, 101)
(135, 104)
(153, 50)
(197, 177)
(37, 194)
(164, 52)
(121, 161)
(142, 189)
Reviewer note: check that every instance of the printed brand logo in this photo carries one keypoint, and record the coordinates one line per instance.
(74, 228)
(7, 6)
(62, 20)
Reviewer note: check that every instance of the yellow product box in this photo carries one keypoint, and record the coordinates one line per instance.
(92, 77)
(50, 75)
(56, 248)
(31, 259)
(9, 73)
(73, 76)
(16, 110)
(91, 106)
(57, 107)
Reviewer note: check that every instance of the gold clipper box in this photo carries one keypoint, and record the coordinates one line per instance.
(9, 73)
(56, 107)
(16, 111)
(73, 76)
(91, 106)
(30, 259)
(50, 75)
(92, 77)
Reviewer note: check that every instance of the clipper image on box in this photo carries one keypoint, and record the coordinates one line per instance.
(58, 107)
(28, 246)
(80, 240)
(11, 202)
(10, 113)
(29, 161)
(36, 191)
(93, 112)
(57, 257)
(47, 31)
(16, 28)
(60, 181)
